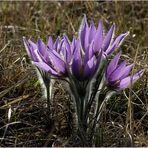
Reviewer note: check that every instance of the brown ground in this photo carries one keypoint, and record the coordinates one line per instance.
(20, 93)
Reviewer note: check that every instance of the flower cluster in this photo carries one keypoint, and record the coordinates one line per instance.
(81, 63)
(82, 57)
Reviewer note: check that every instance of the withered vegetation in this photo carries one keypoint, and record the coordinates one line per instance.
(23, 116)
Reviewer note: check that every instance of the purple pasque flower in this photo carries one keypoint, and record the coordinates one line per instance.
(63, 57)
(47, 57)
(117, 75)
(85, 63)
(89, 34)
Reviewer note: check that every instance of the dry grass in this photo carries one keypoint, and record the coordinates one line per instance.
(20, 95)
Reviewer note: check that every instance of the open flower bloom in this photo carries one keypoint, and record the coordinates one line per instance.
(47, 57)
(117, 74)
(81, 58)
(63, 57)
(89, 34)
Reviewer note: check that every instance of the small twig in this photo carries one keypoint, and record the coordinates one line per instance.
(9, 117)
(130, 118)
(4, 92)
(15, 101)
(19, 28)
(5, 47)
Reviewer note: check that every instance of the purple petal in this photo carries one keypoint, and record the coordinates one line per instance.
(42, 50)
(46, 68)
(77, 53)
(87, 35)
(108, 39)
(139, 74)
(76, 66)
(56, 44)
(31, 49)
(73, 45)
(34, 46)
(50, 43)
(117, 73)
(125, 83)
(61, 47)
(98, 40)
(57, 62)
(83, 31)
(126, 71)
(92, 32)
(113, 64)
(116, 43)
(89, 68)
(89, 52)
(77, 61)
(67, 49)
(41, 47)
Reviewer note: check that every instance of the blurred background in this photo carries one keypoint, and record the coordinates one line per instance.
(23, 120)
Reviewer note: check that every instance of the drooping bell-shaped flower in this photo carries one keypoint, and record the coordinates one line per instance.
(117, 75)
(89, 34)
